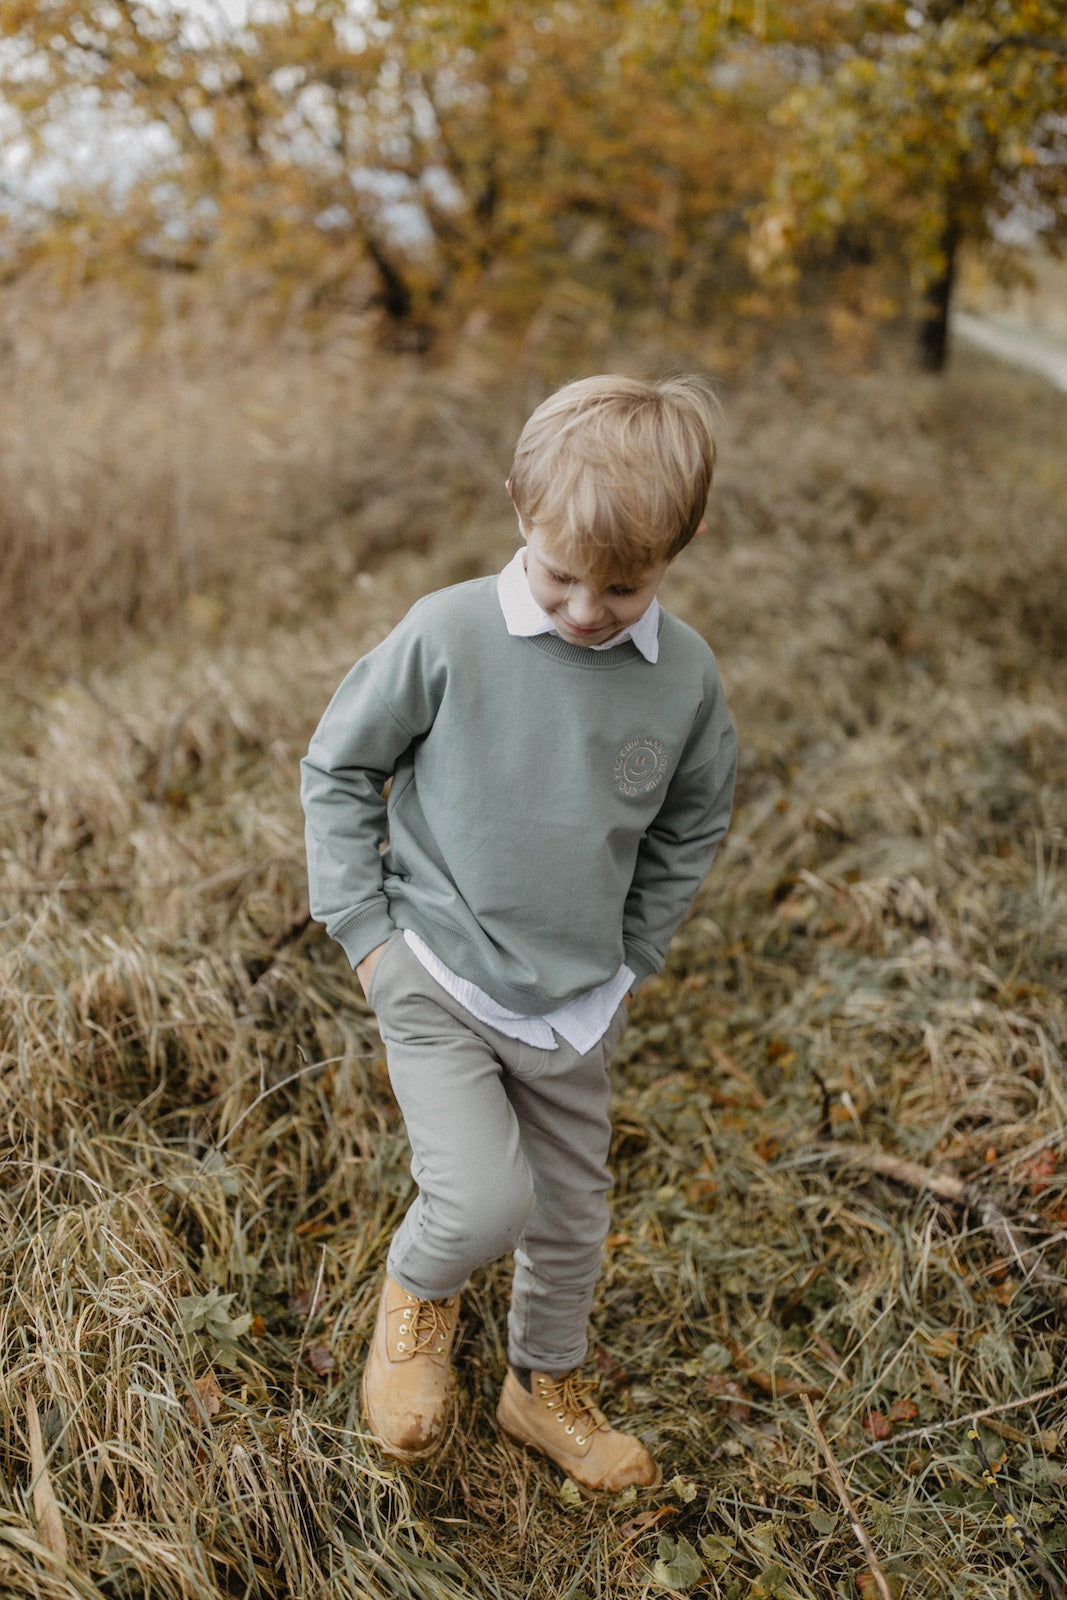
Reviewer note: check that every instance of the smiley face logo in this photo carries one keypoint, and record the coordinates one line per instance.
(640, 766)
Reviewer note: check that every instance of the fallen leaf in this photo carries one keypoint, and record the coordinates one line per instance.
(783, 1388)
(877, 1425)
(320, 1357)
(612, 1373)
(718, 1551)
(729, 1391)
(1040, 1171)
(45, 1505)
(871, 1589)
(644, 1522)
(678, 1566)
(307, 1303)
(769, 1583)
(204, 1398)
(903, 1411)
(210, 1313)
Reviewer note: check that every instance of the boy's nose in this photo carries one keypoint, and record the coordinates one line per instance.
(583, 608)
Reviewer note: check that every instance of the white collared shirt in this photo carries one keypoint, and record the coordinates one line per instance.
(584, 1020)
(524, 617)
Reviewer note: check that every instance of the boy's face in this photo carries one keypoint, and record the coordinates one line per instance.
(584, 612)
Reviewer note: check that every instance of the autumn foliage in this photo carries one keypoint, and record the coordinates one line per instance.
(442, 160)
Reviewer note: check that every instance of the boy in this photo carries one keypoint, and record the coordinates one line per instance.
(562, 765)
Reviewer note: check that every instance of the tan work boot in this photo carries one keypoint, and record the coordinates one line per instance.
(560, 1417)
(408, 1381)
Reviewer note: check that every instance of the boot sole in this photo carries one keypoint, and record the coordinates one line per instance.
(585, 1488)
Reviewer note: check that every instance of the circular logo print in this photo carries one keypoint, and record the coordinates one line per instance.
(639, 766)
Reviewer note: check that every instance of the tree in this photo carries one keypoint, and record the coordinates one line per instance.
(934, 123)
(457, 153)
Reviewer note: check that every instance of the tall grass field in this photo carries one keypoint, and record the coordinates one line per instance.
(834, 1293)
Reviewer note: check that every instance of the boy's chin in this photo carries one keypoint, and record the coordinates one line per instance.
(588, 636)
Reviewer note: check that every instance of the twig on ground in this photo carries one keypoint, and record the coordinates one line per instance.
(948, 1185)
(1016, 1532)
(842, 1494)
(314, 1307)
(955, 1422)
(826, 1127)
(313, 1066)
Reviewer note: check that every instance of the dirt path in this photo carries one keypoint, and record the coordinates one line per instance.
(1045, 353)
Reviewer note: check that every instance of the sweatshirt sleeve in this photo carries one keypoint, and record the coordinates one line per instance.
(679, 846)
(384, 703)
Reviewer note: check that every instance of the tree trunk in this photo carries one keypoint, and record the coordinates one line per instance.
(933, 334)
(395, 297)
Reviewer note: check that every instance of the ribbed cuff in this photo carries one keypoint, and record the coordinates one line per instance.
(364, 932)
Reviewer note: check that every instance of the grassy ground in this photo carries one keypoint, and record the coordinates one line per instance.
(841, 1116)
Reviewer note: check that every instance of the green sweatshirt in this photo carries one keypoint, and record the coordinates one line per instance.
(553, 809)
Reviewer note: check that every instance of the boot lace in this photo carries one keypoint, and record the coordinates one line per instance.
(425, 1327)
(573, 1399)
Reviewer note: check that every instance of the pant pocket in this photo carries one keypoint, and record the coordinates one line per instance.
(375, 985)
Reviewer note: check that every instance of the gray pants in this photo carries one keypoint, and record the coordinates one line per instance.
(509, 1146)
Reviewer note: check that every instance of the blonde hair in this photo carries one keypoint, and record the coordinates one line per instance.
(615, 472)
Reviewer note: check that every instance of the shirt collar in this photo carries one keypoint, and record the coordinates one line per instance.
(523, 616)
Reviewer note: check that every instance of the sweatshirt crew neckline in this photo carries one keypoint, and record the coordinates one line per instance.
(579, 655)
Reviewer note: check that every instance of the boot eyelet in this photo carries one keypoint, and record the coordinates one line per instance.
(401, 1345)
(579, 1438)
(561, 1416)
(569, 1429)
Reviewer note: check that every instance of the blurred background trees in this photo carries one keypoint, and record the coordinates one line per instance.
(439, 161)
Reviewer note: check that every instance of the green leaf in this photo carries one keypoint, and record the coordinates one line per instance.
(718, 1551)
(769, 1583)
(679, 1566)
(210, 1314)
(765, 1536)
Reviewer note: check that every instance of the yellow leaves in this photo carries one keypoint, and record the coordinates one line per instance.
(303, 142)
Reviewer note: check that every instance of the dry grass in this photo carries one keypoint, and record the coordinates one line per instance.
(203, 1161)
